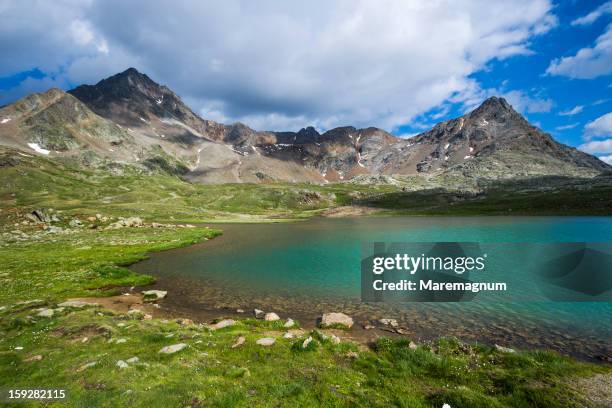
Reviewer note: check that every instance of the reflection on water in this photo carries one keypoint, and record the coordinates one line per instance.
(303, 269)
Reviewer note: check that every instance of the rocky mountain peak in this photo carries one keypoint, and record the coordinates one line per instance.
(496, 109)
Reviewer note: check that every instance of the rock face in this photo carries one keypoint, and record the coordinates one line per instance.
(130, 119)
(336, 320)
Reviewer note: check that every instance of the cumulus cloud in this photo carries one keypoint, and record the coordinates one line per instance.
(589, 62)
(606, 159)
(594, 15)
(281, 64)
(571, 112)
(601, 146)
(600, 127)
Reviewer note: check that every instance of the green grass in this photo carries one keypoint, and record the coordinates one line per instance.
(84, 263)
(209, 372)
(49, 268)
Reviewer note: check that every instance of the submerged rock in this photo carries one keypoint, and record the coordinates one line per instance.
(336, 320)
(389, 322)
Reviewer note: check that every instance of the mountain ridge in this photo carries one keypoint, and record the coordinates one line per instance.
(130, 119)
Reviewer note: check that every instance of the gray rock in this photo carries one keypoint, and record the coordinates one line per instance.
(133, 360)
(122, 364)
(259, 314)
(173, 348)
(239, 342)
(76, 303)
(289, 323)
(222, 324)
(153, 295)
(266, 341)
(504, 349)
(336, 320)
(389, 322)
(46, 313)
(271, 317)
(75, 223)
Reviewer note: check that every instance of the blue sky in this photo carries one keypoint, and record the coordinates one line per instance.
(399, 65)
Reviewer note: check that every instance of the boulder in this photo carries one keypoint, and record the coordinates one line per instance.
(259, 314)
(266, 341)
(336, 320)
(271, 317)
(173, 348)
(289, 323)
(288, 335)
(122, 364)
(153, 295)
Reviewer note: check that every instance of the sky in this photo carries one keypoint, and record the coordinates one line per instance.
(400, 65)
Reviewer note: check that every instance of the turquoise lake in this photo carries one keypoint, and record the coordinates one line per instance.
(305, 268)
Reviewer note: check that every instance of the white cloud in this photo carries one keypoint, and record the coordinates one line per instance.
(527, 104)
(590, 18)
(574, 111)
(600, 127)
(273, 63)
(606, 159)
(567, 127)
(588, 62)
(602, 146)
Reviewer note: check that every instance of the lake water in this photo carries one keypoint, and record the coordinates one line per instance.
(303, 269)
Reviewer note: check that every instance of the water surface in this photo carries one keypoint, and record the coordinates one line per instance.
(305, 268)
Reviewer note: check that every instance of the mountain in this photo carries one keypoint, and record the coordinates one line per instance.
(130, 119)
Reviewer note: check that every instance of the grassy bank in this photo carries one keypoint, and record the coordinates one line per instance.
(79, 350)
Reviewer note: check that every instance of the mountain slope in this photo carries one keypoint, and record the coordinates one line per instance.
(129, 118)
(55, 123)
